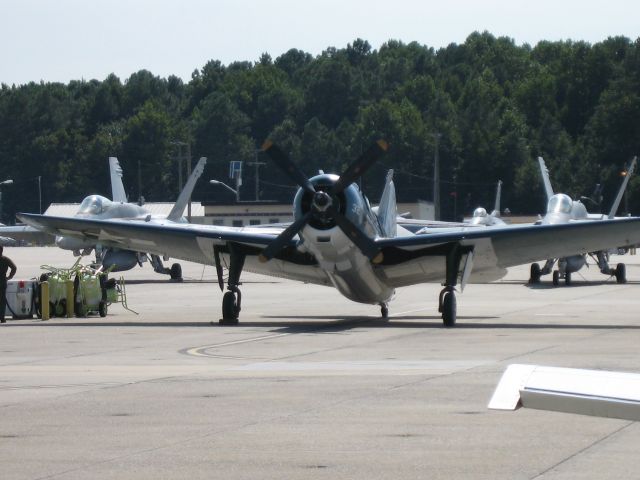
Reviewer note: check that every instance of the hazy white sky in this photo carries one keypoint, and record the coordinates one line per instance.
(62, 40)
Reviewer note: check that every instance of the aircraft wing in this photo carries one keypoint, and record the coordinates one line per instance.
(406, 260)
(26, 233)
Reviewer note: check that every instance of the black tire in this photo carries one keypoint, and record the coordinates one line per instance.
(621, 273)
(534, 276)
(556, 278)
(229, 307)
(384, 311)
(449, 309)
(176, 272)
(102, 309)
(567, 278)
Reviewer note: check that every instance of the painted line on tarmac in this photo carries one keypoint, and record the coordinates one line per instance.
(435, 367)
(201, 351)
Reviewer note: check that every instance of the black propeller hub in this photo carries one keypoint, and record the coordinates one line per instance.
(322, 201)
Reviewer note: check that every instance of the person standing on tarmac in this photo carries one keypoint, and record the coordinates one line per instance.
(5, 265)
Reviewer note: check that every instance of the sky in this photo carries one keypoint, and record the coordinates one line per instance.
(63, 40)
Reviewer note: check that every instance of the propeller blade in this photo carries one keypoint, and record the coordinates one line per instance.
(281, 240)
(283, 161)
(360, 166)
(366, 245)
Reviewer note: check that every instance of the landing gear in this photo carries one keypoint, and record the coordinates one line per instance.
(232, 299)
(556, 278)
(175, 272)
(567, 278)
(535, 274)
(621, 273)
(448, 307)
(384, 310)
(230, 308)
(447, 299)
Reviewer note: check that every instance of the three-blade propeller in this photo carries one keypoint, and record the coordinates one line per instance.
(322, 200)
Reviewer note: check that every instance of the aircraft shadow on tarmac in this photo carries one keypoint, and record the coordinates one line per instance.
(574, 283)
(330, 324)
(188, 280)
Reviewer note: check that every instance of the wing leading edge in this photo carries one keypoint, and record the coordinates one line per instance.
(495, 248)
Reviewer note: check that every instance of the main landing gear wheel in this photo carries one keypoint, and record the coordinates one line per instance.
(230, 309)
(176, 272)
(621, 273)
(534, 276)
(567, 278)
(556, 278)
(448, 307)
(384, 310)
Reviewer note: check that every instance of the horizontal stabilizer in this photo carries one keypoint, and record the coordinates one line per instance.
(177, 211)
(586, 392)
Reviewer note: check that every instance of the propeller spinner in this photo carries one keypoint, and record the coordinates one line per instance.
(324, 207)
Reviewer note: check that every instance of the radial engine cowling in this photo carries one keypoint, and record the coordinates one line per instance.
(348, 202)
(119, 260)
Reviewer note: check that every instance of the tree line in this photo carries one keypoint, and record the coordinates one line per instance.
(491, 106)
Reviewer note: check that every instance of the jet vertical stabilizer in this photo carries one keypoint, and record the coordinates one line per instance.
(117, 188)
(623, 187)
(177, 211)
(387, 211)
(496, 207)
(545, 178)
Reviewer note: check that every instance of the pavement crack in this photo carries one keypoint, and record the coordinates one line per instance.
(582, 450)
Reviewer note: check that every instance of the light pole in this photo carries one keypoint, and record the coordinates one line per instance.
(235, 192)
(436, 178)
(5, 182)
(40, 194)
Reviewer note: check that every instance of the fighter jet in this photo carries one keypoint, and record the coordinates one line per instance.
(337, 240)
(6, 241)
(481, 217)
(101, 208)
(561, 209)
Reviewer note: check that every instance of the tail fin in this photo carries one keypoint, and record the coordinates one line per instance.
(387, 210)
(117, 188)
(544, 171)
(177, 211)
(496, 207)
(623, 187)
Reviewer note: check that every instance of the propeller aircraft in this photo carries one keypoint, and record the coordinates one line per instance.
(337, 239)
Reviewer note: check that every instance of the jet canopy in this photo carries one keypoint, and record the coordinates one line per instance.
(94, 205)
(560, 203)
(479, 213)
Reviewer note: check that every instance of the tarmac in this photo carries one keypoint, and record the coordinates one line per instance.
(310, 385)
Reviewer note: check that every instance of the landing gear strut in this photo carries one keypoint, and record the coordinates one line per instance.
(447, 298)
(232, 299)
(620, 272)
(175, 272)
